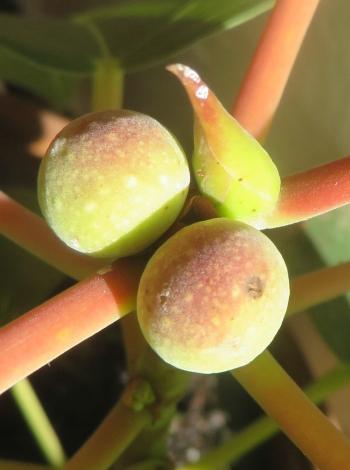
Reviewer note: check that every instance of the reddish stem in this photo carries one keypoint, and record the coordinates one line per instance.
(32, 233)
(320, 286)
(266, 78)
(312, 192)
(59, 324)
(266, 381)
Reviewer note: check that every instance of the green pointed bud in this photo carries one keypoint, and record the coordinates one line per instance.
(231, 167)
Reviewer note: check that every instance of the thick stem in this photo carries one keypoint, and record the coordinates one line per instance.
(110, 439)
(47, 331)
(311, 193)
(108, 84)
(319, 286)
(264, 428)
(29, 231)
(266, 381)
(266, 78)
(134, 344)
(38, 423)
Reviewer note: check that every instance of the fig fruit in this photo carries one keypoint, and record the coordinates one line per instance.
(213, 296)
(112, 182)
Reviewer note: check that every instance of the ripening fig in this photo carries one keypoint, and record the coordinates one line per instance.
(231, 168)
(112, 182)
(213, 296)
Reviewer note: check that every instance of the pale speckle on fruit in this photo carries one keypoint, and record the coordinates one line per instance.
(104, 191)
(90, 207)
(164, 180)
(131, 182)
(235, 292)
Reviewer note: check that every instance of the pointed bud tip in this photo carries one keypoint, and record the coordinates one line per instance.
(184, 73)
(174, 68)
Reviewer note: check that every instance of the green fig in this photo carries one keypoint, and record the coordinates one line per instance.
(213, 296)
(112, 182)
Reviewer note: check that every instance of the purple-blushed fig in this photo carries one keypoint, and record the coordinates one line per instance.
(112, 182)
(213, 296)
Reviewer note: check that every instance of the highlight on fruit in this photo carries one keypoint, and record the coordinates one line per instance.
(213, 296)
(112, 182)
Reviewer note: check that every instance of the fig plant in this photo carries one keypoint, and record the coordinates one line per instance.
(212, 296)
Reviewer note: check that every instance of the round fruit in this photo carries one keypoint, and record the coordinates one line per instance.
(112, 182)
(213, 296)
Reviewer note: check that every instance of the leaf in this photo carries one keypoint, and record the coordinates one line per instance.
(140, 33)
(25, 281)
(330, 235)
(47, 56)
(55, 87)
(57, 45)
(319, 243)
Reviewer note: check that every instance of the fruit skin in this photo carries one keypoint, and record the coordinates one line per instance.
(112, 182)
(213, 296)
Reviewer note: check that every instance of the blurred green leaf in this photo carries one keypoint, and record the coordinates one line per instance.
(332, 320)
(25, 281)
(140, 33)
(319, 242)
(57, 45)
(330, 234)
(55, 87)
(47, 56)
(322, 241)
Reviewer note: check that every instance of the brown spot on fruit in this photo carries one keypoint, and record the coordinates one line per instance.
(255, 287)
